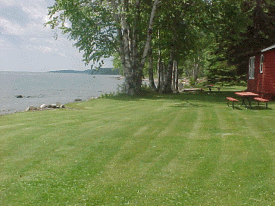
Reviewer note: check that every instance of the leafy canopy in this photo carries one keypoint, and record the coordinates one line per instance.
(89, 23)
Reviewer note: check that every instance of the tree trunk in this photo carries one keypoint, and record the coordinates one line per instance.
(159, 65)
(165, 77)
(162, 77)
(177, 76)
(151, 73)
(159, 73)
(133, 65)
(168, 82)
(133, 79)
(173, 77)
(195, 70)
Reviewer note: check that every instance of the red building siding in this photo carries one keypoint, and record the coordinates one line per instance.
(269, 73)
(264, 83)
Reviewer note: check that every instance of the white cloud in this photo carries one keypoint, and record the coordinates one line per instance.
(26, 45)
(20, 2)
(10, 27)
(34, 12)
(4, 45)
(8, 2)
(35, 9)
(31, 29)
(43, 49)
(61, 54)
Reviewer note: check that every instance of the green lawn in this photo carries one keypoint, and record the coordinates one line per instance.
(182, 149)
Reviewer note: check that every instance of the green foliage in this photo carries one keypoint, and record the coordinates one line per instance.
(117, 63)
(184, 31)
(241, 28)
(178, 25)
(89, 23)
(220, 71)
(192, 81)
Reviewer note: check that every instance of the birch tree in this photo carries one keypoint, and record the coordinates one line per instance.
(102, 28)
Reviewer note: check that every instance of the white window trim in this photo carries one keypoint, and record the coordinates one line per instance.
(262, 63)
(252, 67)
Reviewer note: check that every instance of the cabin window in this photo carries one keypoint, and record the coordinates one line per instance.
(251, 67)
(261, 63)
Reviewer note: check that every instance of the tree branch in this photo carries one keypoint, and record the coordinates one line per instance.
(149, 33)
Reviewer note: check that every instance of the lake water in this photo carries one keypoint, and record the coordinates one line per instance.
(50, 88)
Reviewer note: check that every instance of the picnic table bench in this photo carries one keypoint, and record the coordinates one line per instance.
(259, 99)
(231, 99)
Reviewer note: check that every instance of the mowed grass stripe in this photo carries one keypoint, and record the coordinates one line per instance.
(135, 168)
(243, 149)
(181, 150)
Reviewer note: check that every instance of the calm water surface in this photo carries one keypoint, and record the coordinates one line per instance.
(50, 88)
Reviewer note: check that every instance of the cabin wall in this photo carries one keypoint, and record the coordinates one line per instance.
(269, 73)
(264, 83)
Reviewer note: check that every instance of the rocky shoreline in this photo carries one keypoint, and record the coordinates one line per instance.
(42, 106)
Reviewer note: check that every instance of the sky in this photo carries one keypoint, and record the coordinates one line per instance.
(27, 45)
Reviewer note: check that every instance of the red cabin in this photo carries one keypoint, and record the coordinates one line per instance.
(261, 74)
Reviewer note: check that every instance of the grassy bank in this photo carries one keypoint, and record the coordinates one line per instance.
(187, 149)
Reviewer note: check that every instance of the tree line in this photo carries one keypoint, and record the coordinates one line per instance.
(166, 38)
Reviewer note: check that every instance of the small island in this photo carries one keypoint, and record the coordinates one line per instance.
(100, 71)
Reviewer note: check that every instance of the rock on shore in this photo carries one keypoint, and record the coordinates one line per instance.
(44, 106)
(31, 108)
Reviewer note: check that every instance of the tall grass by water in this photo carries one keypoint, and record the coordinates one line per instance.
(181, 149)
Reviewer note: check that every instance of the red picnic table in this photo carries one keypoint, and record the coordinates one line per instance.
(210, 86)
(247, 97)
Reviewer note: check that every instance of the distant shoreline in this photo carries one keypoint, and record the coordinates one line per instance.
(101, 71)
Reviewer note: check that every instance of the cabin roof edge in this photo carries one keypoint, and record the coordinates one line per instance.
(268, 48)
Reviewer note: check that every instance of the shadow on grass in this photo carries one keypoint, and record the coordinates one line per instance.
(187, 104)
(190, 99)
(236, 107)
(214, 96)
(261, 108)
(239, 107)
